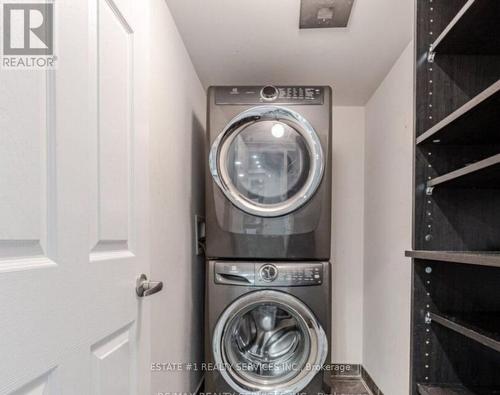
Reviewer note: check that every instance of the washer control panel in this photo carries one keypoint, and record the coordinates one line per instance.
(269, 274)
(290, 274)
(241, 95)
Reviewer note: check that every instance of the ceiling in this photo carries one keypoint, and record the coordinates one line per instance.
(259, 42)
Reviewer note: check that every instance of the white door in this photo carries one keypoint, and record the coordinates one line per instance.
(73, 208)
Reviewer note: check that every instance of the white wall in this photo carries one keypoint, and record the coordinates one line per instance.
(388, 213)
(347, 234)
(176, 172)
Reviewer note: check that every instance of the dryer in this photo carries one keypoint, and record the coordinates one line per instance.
(267, 327)
(268, 187)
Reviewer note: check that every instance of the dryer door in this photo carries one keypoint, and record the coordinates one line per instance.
(269, 342)
(268, 161)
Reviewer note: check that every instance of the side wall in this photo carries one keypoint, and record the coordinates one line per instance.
(388, 213)
(176, 173)
(347, 234)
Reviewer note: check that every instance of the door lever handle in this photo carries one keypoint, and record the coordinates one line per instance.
(146, 288)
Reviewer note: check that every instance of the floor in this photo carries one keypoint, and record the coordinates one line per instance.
(349, 387)
(343, 386)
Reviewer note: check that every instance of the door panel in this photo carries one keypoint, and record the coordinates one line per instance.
(24, 184)
(112, 364)
(114, 40)
(73, 204)
(44, 385)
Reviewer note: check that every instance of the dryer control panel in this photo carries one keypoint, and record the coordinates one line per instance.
(277, 274)
(269, 94)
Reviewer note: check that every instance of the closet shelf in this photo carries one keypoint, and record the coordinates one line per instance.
(442, 390)
(481, 258)
(476, 122)
(449, 389)
(482, 174)
(473, 31)
(481, 327)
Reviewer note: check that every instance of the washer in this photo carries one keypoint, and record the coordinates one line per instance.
(267, 327)
(268, 189)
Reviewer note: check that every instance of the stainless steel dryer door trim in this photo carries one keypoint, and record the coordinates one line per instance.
(218, 153)
(317, 339)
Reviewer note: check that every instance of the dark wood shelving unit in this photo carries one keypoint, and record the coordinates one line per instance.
(461, 257)
(456, 227)
(476, 122)
(482, 174)
(474, 30)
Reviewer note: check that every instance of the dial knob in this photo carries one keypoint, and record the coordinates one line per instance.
(269, 93)
(268, 273)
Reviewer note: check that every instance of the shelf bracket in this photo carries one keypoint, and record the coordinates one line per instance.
(428, 319)
(429, 190)
(431, 55)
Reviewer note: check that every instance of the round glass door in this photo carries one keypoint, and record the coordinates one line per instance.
(269, 341)
(268, 161)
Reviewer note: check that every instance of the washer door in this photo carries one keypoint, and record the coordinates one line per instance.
(269, 342)
(268, 161)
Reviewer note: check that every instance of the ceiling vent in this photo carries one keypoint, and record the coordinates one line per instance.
(315, 14)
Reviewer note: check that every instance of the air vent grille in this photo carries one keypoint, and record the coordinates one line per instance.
(316, 14)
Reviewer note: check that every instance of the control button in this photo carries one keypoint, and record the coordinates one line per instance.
(316, 276)
(268, 273)
(269, 93)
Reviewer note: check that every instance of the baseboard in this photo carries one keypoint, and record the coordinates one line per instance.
(345, 370)
(365, 376)
(354, 371)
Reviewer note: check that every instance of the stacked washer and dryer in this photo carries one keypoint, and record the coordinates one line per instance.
(268, 220)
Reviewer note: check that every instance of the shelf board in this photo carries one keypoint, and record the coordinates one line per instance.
(442, 390)
(480, 258)
(480, 327)
(482, 174)
(476, 122)
(473, 31)
(453, 389)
